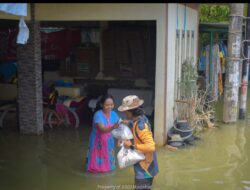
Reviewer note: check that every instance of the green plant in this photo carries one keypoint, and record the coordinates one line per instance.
(214, 13)
(193, 105)
(187, 85)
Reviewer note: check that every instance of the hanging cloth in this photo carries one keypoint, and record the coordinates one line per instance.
(207, 49)
(23, 33)
(202, 60)
(223, 56)
(19, 9)
(177, 18)
(185, 18)
(219, 65)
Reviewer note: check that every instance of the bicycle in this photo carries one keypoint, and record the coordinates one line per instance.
(61, 115)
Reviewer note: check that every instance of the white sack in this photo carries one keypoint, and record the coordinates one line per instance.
(127, 157)
(122, 132)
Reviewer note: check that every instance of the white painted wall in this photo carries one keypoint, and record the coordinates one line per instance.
(191, 24)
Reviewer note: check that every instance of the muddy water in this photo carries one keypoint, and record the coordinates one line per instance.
(55, 161)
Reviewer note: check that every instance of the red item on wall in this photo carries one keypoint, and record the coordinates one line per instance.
(59, 44)
(55, 44)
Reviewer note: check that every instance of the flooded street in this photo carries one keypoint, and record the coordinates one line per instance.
(219, 161)
(67, 64)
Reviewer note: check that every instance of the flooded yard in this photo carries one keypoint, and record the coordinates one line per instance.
(56, 160)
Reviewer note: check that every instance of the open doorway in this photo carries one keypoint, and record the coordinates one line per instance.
(86, 59)
(94, 58)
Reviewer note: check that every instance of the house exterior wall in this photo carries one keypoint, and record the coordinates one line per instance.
(98, 11)
(191, 24)
(165, 17)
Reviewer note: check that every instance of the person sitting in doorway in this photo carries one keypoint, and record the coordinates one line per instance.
(53, 105)
(143, 141)
(101, 150)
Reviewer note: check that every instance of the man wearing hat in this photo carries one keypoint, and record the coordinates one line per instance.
(143, 141)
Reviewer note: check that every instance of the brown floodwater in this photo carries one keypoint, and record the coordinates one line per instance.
(55, 161)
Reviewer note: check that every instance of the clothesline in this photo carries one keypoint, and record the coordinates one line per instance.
(214, 64)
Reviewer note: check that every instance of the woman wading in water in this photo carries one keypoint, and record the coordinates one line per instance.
(101, 151)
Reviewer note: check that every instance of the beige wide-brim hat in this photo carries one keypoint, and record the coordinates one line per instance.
(130, 102)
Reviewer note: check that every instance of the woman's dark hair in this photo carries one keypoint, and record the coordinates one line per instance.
(137, 111)
(102, 101)
(105, 97)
